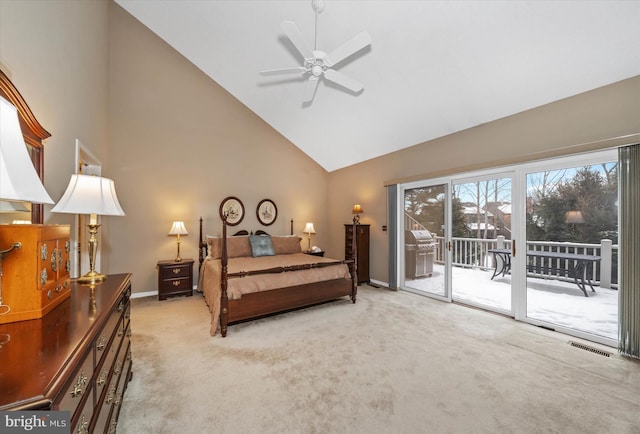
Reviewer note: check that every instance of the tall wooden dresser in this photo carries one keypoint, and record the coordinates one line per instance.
(76, 358)
(362, 243)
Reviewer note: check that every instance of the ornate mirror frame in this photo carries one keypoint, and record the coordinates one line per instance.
(33, 134)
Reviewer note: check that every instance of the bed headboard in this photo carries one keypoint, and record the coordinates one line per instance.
(203, 247)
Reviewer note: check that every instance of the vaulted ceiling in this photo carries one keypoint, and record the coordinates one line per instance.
(433, 67)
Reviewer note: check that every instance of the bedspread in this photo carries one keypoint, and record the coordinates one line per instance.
(210, 276)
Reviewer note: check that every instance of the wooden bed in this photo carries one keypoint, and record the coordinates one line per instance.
(264, 302)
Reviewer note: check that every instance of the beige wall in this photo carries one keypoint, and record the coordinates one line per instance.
(563, 127)
(181, 144)
(56, 53)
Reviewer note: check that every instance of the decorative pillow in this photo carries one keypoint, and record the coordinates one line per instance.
(286, 245)
(261, 245)
(236, 247)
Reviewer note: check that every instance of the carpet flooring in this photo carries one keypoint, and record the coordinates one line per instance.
(394, 362)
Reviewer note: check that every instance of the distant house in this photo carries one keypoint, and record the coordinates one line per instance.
(490, 221)
(479, 221)
(502, 217)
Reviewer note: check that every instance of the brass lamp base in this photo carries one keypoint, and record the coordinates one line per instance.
(91, 278)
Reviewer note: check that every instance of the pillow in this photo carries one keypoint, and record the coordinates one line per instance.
(286, 245)
(261, 245)
(236, 247)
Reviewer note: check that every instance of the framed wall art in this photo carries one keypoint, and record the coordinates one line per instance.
(233, 208)
(267, 212)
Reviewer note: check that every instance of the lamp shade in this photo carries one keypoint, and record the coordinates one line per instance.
(87, 194)
(9, 207)
(309, 229)
(19, 180)
(357, 209)
(178, 229)
(573, 217)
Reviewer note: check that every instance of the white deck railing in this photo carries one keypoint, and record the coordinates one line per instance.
(474, 253)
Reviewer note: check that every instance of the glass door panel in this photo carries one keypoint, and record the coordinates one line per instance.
(424, 239)
(571, 248)
(481, 242)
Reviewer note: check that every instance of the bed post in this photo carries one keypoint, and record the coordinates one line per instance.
(224, 299)
(201, 245)
(353, 266)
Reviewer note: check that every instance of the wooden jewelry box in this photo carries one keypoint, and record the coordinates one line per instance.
(35, 277)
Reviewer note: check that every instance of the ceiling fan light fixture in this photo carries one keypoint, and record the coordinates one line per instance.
(317, 63)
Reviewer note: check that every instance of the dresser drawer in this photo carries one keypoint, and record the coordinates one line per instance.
(105, 370)
(78, 387)
(104, 338)
(81, 421)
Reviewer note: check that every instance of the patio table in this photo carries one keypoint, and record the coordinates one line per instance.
(541, 261)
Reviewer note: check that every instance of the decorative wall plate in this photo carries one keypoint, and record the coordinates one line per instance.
(267, 212)
(233, 208)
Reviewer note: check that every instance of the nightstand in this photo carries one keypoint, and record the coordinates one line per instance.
(320, 253)
(175, 278)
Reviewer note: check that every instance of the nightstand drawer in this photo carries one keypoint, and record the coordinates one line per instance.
(173, 285)
(175, 271)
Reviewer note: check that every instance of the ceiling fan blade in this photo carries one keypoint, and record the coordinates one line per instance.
(283, 71)
(350, 47)
(342, 80)
(310, 88)
(294, 35)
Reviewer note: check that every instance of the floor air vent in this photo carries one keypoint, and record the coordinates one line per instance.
(588, 348)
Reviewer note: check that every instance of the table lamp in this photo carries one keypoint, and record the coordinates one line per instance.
(357, 210)
(19, 181)
(93, 195)
(309, 229)
(178, 229)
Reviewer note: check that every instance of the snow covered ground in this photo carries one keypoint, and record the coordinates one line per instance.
(552, 301)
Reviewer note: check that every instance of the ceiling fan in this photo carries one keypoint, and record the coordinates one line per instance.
(318, 63)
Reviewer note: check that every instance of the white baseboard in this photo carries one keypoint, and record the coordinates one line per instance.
(379, 283)
(151, 293)
(144, 294)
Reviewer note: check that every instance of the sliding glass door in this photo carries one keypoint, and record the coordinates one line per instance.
(481, 242)
(537, 241)
(572, 247)
(423, 238)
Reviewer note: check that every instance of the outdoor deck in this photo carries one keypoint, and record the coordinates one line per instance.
(552, 301)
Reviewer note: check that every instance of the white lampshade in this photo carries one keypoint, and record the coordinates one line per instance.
(178, 229)
(19, 180)
(9, 207)
(87, 194)
(309, 229)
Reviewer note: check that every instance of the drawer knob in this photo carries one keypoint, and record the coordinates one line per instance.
(103, 377)
(176, 283)
(176, 271)
(111, 394)
(78, 387)
(102, 342)
(83, 426)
